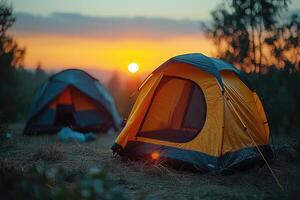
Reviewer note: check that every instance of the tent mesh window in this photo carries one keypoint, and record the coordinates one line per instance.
(177, 111)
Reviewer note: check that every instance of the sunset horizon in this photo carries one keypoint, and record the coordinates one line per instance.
(84, 50)
(58, 38)
(108, 38)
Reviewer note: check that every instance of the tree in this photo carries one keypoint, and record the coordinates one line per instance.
(117, 91)
(124, 91)
(114, 83)
(240, 27)
(11, 57)
(284, 43)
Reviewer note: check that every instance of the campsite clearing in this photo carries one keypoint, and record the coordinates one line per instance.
(154, 181)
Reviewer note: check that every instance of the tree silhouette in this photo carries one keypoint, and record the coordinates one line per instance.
(11, 57)
(115, 88)
(284, 43)
(239, 29)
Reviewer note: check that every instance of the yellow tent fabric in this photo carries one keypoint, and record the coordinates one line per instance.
(240, 102)
(180, 96)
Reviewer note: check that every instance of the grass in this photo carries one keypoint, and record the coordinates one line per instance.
(151, 180)
(52, 153)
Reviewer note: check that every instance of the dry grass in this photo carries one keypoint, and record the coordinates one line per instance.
(153, 179)
(53, 153)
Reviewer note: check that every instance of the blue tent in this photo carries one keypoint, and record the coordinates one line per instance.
(72, 98)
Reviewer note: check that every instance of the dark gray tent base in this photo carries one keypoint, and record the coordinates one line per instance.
(196, 161)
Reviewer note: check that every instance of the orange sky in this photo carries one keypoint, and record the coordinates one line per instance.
(58, 51)
(111, 34)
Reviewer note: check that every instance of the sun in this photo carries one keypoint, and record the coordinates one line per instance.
(133, 67)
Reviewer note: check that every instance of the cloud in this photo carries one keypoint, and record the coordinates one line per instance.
(71, 24)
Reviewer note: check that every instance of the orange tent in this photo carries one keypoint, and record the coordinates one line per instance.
(197, 111)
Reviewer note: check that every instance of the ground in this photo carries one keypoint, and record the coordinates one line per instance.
(154, 181)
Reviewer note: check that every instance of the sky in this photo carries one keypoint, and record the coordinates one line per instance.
(175, 9)
(109, 35)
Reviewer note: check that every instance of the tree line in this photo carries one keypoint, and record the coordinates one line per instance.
(17, 85)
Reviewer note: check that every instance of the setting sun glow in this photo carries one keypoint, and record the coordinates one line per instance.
(133, 67)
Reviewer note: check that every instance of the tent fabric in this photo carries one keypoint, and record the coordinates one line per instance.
(213, 66)
(234, 122)
(240, 103)
(78, 89)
